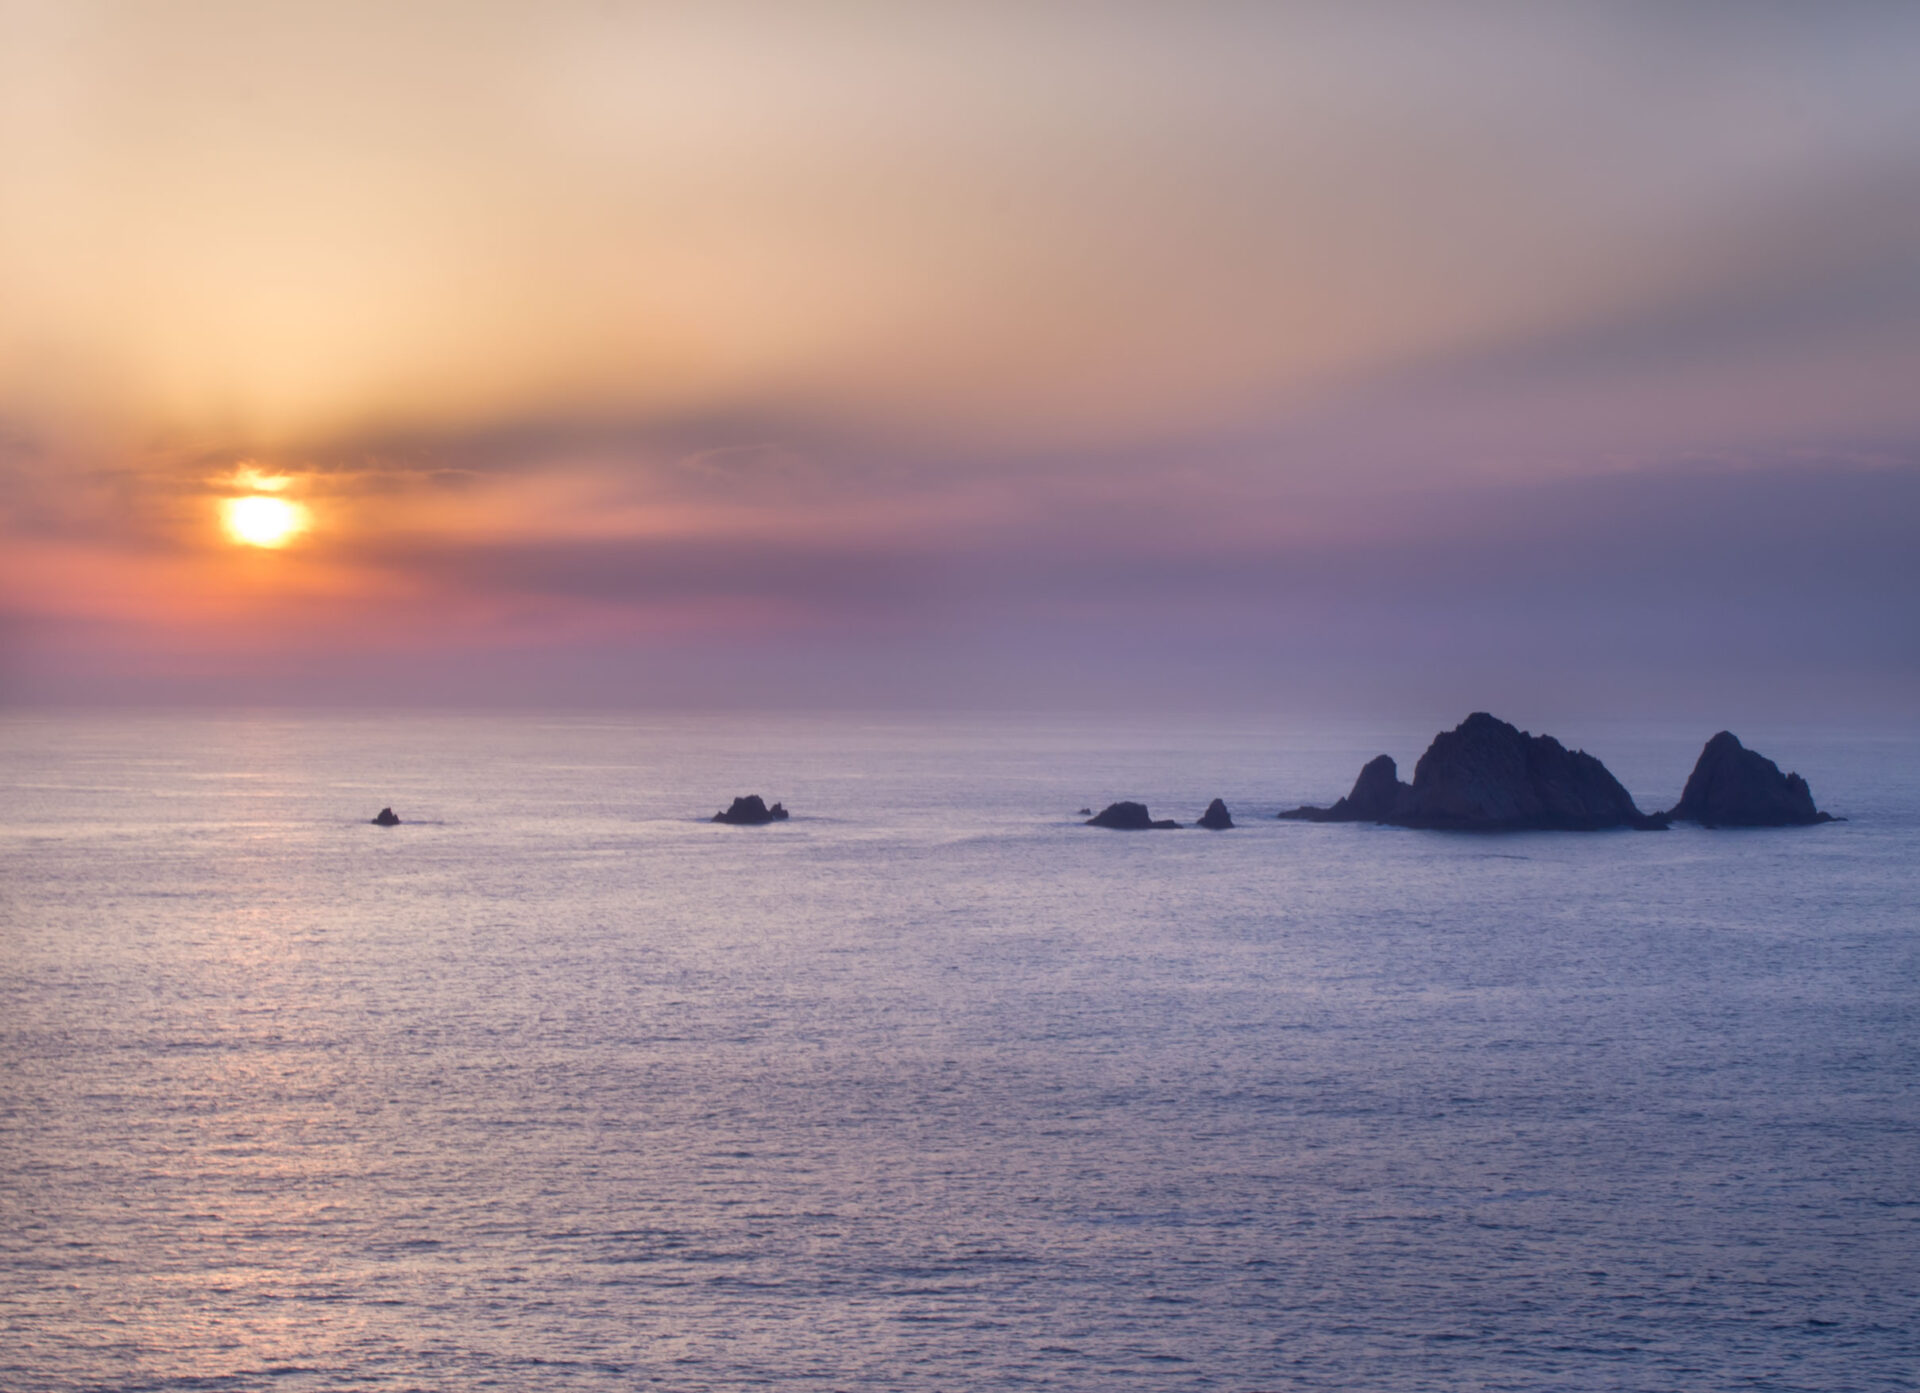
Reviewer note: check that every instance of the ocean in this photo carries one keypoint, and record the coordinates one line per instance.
(558, 1085)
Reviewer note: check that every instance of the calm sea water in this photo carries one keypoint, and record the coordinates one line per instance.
(559, 1087)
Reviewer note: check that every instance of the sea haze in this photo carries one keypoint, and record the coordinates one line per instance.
(559, 1086)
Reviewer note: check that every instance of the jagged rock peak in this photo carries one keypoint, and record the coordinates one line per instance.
(1377, 792)
(386, 819)
(1376, 797)
(1732, 786)
(1216, 818)
(1486, 775)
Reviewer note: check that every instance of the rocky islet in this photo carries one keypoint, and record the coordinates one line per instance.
(750, 811)
(1129, 817)
(1732, 786)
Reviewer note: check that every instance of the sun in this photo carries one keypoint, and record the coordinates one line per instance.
(255, 521)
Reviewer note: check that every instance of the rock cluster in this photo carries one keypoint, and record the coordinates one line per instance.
(1487, 776)
(1732, 786)
(751, 811)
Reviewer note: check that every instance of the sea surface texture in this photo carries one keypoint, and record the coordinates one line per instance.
(560, 1086)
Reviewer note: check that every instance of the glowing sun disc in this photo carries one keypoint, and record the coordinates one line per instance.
(262, 522)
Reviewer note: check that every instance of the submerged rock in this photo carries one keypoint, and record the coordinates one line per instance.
(1216, 818)
(751, 812)
(1487, 776)
(386, 819)
(1128, 817)
(1732, 786)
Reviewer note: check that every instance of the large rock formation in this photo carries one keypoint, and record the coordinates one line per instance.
(1732, 786)
(751, 812)
(386, 819)
(1487, 776)
(1128, 817)
(1216, 818)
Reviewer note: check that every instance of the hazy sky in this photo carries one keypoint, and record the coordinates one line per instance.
(1530, 356)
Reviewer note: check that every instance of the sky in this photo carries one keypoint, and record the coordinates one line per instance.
(1409, 358)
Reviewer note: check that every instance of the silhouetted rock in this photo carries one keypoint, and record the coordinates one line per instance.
(386, 819)
(1732, 786)
(1487, 776)
(1216, 818)
(1084, 812)
(1375, 798)
(1378, 790)
(1128, 817)
(751, 812)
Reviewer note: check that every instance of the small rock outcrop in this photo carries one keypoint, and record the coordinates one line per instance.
(1732, 786)
(1375, 798)
(1488, 776)
(1128, 817)
(751, 811)
(1216, 818)
(386, 819)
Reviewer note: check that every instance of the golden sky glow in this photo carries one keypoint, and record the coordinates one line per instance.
(286, 223)
(596, 320)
